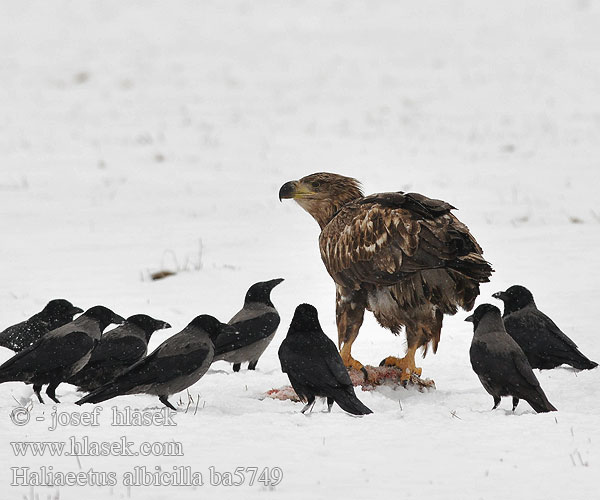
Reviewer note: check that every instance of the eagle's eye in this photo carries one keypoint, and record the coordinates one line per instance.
(316, 184)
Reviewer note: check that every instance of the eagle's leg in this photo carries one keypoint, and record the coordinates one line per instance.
(426, 330)
(349, 361)
(350, 311)
(406, 364)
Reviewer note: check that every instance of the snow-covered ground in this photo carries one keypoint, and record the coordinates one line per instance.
(139, 136)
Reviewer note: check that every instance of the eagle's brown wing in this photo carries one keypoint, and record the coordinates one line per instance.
(386, 238)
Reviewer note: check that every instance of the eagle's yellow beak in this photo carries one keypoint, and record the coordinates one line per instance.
(294, 190)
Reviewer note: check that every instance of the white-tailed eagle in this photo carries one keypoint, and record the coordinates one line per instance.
(403, 256)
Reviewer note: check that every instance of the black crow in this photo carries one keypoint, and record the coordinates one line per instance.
(60, 353)
(314, 366)
(253, 329)
(58, 312)
(118, 350)
(500, 363)
(544, 344)
(176, 364)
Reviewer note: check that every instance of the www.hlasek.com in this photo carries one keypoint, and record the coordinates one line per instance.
(179, 475)
(85, 447)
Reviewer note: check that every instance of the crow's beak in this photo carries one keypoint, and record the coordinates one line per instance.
(274, 283)
(469, 319)
(164, 325)
(499, 295)
(288, 190)
(117, 320)
(76, 310)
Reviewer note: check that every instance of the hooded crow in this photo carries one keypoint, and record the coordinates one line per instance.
(500, 363)
(254, 327)
(58, 312)
(314, 366)
(60, 353)
(118, 350)
(544, 344)
(176, 364)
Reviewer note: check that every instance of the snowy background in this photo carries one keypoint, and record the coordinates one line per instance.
(140, 136)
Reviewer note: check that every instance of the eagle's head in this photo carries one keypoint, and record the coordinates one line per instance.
(322, 194)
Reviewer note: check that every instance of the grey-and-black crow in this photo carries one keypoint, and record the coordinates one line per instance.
(500, 363)
(254, 327)
(117, 350)
(60, 353)
(58, 312)
(176, 364)
(312, 363)
(544, 344)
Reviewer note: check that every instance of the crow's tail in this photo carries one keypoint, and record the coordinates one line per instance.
(103, 393)
(539, 402)
(580, 362)
(350, 403)
(87, 387)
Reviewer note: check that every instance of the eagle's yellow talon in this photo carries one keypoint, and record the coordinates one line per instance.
(354, 364)
(406, 364)
(350, 362)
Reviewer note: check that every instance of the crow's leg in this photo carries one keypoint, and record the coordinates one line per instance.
(236, 367)
(515, 402)
(330, 402)
(252, 365)
(36, 390)
(51, 391)
(496, 402)
(309, 404)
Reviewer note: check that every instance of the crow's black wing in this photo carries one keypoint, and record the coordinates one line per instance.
(244, 333)
(313, 362)
(22, 335)
(560, 339)
(157, 369)
(336, 365)
(122, 350)
(109, 359)
(48, 354)
(537, 332)
(523, 369)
